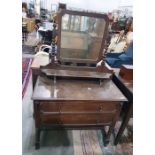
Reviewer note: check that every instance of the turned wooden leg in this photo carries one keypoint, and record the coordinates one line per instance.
(34, 78)
(37, 140)
(107, 136)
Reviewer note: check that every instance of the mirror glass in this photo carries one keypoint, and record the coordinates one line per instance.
(81, 37)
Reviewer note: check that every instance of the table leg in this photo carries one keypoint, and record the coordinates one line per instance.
(124, 124)
(107, 136)
(37, 140)
(34, 79)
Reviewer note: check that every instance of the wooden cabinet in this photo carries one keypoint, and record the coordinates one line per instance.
(73, 96)
(63, 104)
(30, 22)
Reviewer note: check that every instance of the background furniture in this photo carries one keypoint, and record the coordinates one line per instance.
(45, 33)
(124, 81)
(24, 32)
(30, 24)
(47, 39)
(117, 59)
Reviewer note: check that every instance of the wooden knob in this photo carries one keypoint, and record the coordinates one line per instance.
(100, 108)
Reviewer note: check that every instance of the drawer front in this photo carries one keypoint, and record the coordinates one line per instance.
(78, 107)
(77, 118)
(86, 119)
(49, 107)
(50, 119)
(87, 107)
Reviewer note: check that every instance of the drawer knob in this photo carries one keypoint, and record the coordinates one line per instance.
(100, 108)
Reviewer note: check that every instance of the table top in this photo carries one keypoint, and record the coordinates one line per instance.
(127, 83)
(63, 89)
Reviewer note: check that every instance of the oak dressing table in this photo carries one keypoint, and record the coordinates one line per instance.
(75, 94)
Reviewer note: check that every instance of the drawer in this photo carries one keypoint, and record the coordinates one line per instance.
(77, 118)
(86, 119)
(49, 107)
(48, 118)
(79, 107)
(88, 107)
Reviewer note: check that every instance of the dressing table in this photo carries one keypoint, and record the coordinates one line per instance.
(75, 93)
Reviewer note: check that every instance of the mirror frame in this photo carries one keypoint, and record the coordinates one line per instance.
(88, 14)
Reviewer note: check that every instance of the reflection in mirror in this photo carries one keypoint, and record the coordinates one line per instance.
(81, 37)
